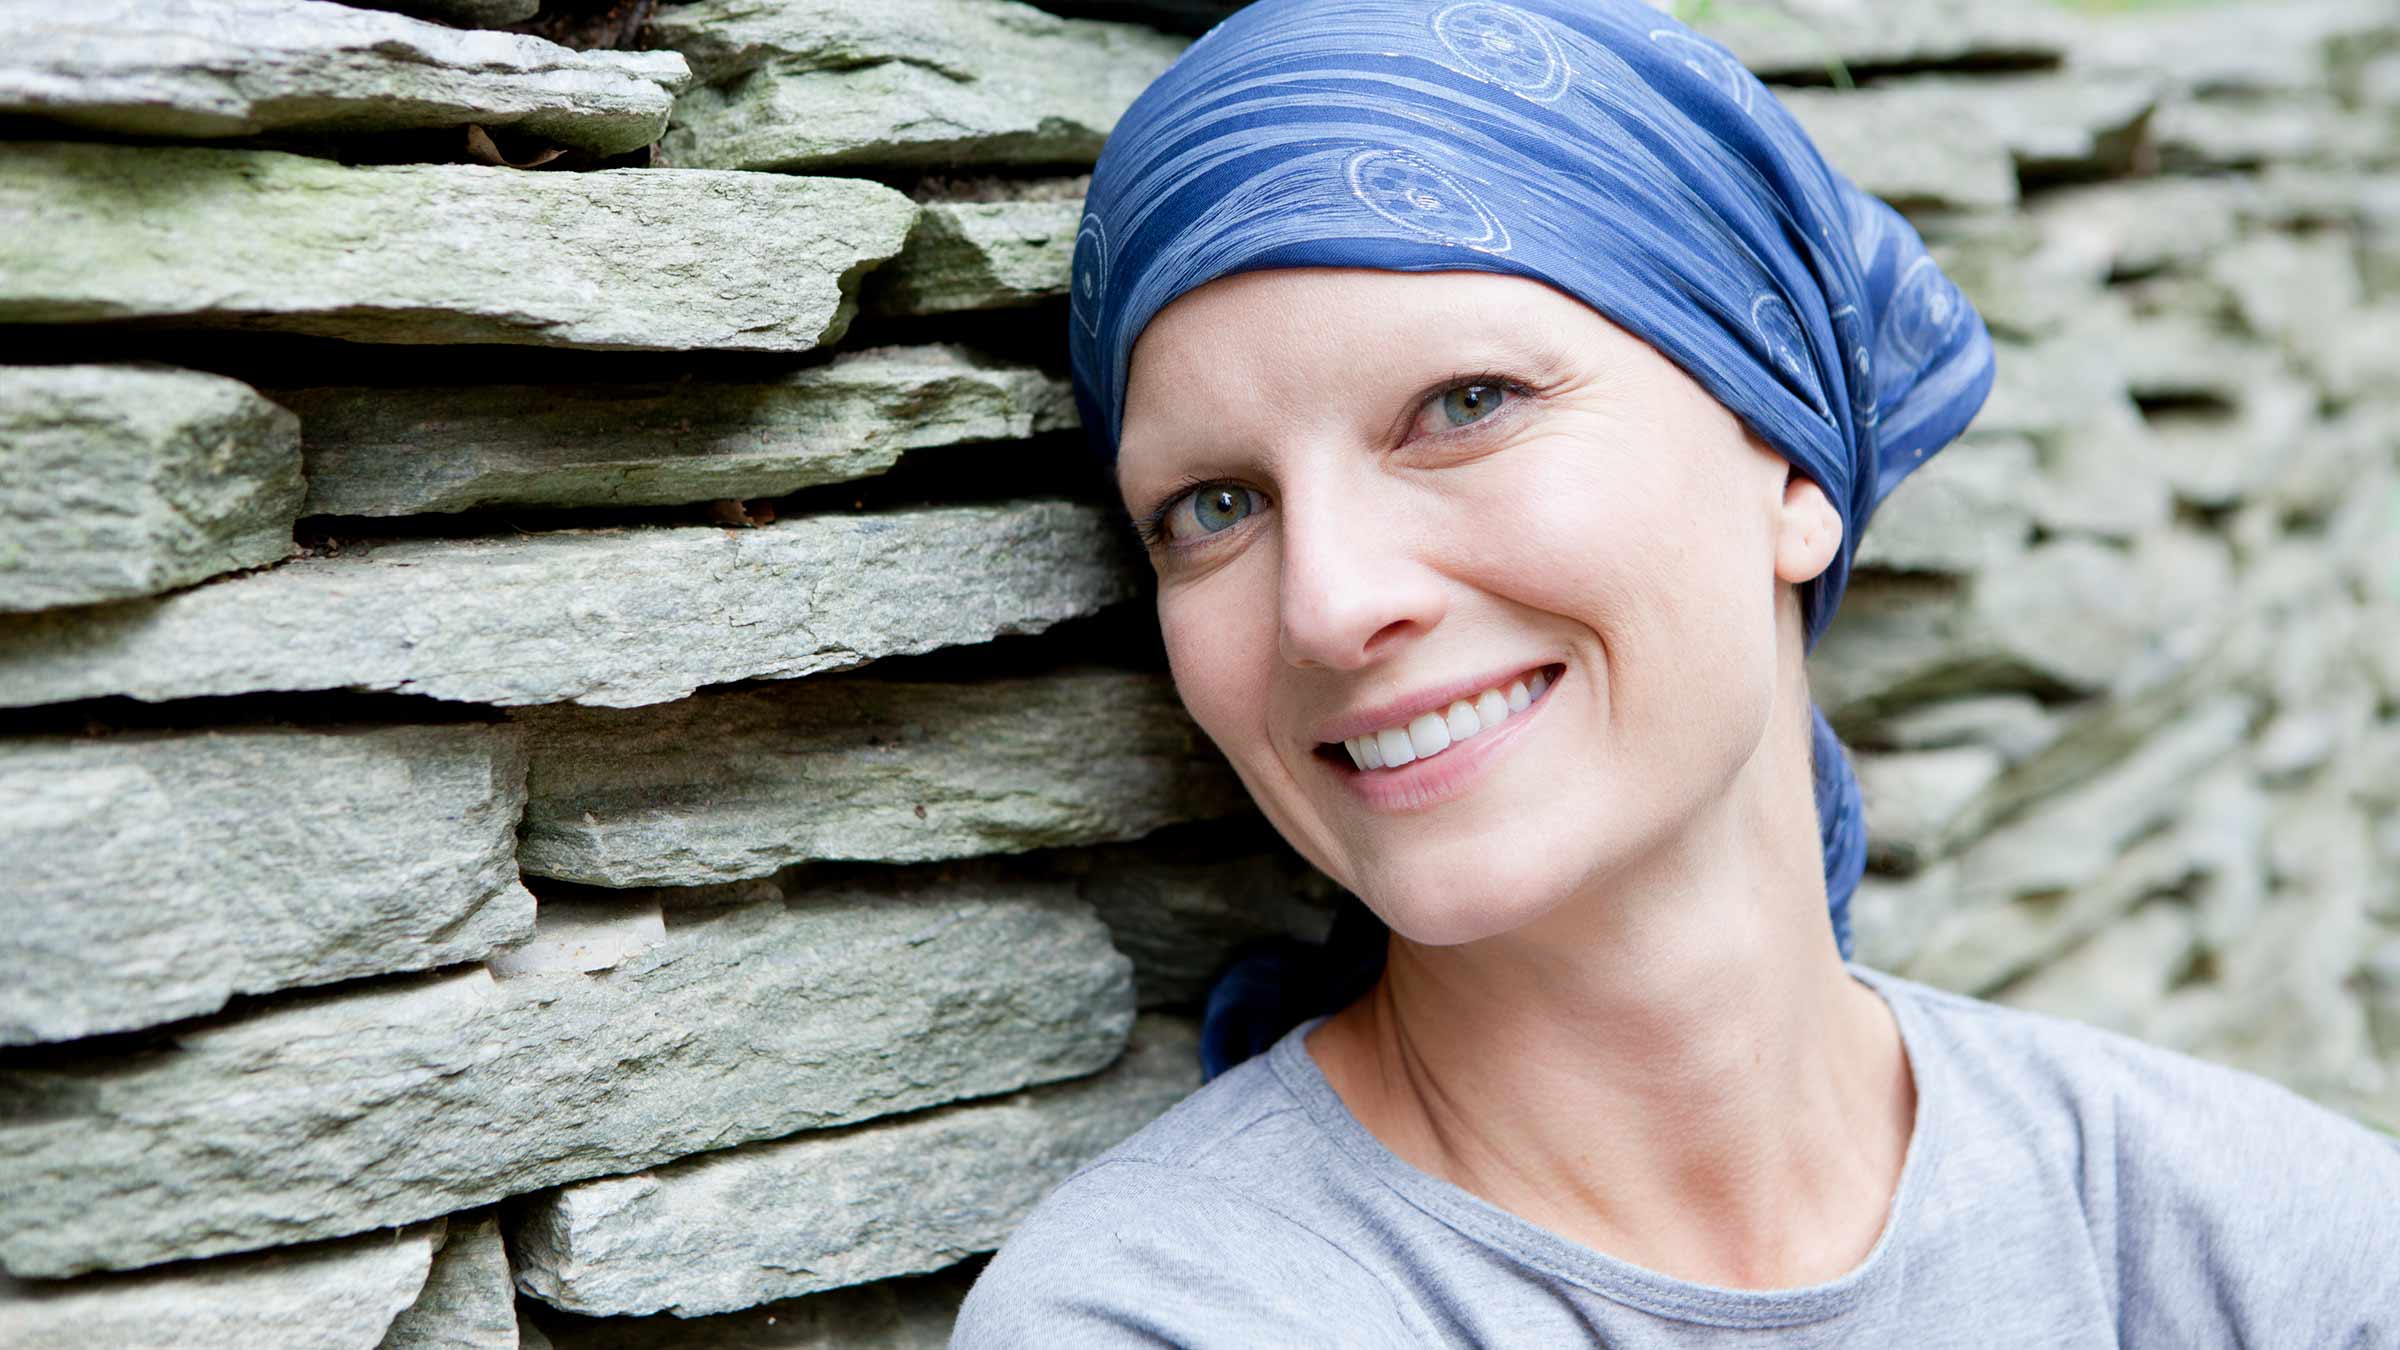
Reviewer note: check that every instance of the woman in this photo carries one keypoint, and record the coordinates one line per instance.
(1500, 390)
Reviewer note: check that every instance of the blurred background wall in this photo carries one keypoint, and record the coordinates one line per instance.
(582, 760)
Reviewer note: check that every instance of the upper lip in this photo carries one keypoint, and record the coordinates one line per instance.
(1399, 712)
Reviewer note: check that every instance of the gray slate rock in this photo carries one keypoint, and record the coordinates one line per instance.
(1961, 512)
(386, 452)
(1982, 946)
(156, 875)
(1181, 908)
(913, 1312)
(978, 255)
(820, 1211)
(793, 84)
(2069, 837)
(2120, 977)
(736, 784)
(327, 1114)
(1778, 39)
(337, 1295)
(611, 617)
(1946, 141)
(219, 68)
(123, 481)
(469, 1301)
(466, 13)
(1914, 799)
(625, 258)
(2258, 47)
(2069, 614)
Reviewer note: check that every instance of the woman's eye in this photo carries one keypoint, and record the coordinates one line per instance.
(1211, 510)
(1464, 403)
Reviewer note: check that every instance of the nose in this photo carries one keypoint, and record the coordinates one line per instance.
(1351, 588)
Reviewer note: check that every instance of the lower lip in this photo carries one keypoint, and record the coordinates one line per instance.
(1429, 782)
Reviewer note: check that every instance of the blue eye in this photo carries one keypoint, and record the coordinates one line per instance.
(1214, 508)
(1466, 403)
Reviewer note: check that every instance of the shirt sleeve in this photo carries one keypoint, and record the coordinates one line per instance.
(2255, 1216)
(1129, 1253)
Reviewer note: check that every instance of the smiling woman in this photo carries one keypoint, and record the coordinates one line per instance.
(1402, 513)
(1500, 392)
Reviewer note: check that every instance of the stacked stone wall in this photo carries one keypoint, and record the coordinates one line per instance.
(584, 762)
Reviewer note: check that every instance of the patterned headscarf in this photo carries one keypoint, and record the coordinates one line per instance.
(1597, 146)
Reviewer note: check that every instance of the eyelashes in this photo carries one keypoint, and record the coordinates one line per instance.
(1151, 526)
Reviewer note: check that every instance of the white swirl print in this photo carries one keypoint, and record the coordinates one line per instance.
(1778, 330)
(1416, 195)
(1924, 309)
(1087, 278)
(1850, 329)
(1710, 64)
(1504, 45)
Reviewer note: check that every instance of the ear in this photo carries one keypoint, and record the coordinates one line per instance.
(1808, 531)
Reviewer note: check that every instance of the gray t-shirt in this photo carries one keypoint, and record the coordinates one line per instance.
(2064, 1186)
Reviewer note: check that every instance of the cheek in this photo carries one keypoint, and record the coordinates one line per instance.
(1219, 635)
(1640, 542)
(1590, 526)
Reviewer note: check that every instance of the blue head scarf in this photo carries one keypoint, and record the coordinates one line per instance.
(1594, 145)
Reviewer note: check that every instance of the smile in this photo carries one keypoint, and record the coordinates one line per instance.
(1435, 730)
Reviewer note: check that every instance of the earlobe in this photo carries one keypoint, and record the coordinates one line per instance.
(1809, 530)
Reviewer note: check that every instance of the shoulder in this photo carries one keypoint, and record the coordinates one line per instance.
(2219, 1189)
(1175, 1236)
(1128, 1252)
(2147, 1095)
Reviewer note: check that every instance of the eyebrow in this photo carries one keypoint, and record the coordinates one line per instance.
(1535, 359)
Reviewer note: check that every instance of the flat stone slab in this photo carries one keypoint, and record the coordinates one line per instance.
(339, 1295)
(1781, 41)
(469, 1301)
(397, 451)
(2069, 614)
(1962, 512)
(124, 481)
(652, 259)
(611, 617)
(913, 1312)
(156, 875)
(1959, 142)
(979, 255)
(2284, 47)
(740, 783)
(818, 83)
(466, 13)
(327, 1114)
(1180, 906)
(220, 68)
(824, 1210)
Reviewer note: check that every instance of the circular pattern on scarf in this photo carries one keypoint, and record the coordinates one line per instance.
(1412, 193)
(1709, 63)
(1504, 45)
(1087, 279)
(1779, 329)
(1924, 308)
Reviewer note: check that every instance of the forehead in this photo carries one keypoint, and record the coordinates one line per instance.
(1256, 334)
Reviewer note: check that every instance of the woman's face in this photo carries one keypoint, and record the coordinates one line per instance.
(1406, 506)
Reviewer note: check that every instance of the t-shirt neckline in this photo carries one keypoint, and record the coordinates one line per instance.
(1638, 1286)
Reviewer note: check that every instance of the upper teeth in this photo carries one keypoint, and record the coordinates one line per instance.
(1433, 732)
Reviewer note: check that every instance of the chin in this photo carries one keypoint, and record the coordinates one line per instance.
(1459, 894)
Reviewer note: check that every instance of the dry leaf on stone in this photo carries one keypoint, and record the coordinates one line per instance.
(740, 514)
(482, 149)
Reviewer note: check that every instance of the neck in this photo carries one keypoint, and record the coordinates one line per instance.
(1676, 1069)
